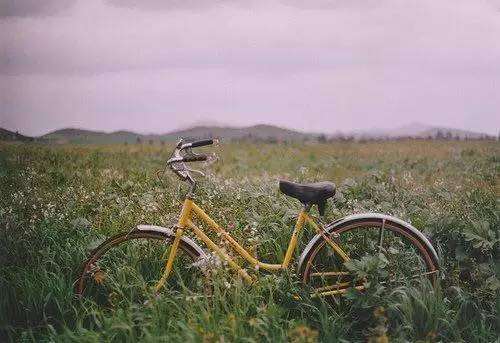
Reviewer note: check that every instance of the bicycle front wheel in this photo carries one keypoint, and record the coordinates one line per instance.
(127, 266)
(405, 257)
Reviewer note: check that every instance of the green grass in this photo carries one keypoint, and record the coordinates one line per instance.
(58, 202)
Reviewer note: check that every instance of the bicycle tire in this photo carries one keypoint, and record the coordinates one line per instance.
(185, 245)
(342, 227)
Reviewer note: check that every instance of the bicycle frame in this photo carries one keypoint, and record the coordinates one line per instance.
(189, 208)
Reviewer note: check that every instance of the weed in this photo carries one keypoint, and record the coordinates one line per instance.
(59, 202)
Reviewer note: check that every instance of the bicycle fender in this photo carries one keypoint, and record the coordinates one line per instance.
(171, 234)
(376, 217)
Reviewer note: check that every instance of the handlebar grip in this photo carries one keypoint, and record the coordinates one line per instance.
(195, 158)
(202, 142)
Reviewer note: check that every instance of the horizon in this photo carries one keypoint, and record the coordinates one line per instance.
(382, 131)
(310, 66)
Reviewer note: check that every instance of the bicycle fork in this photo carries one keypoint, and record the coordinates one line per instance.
(170, 260)
(183, 219)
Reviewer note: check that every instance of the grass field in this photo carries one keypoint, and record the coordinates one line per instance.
(58, 202)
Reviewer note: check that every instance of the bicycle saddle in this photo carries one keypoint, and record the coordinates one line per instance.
(310, 193)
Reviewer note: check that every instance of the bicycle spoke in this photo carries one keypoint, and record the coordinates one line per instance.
(330, 274)
(381, 236)
(336, 292)
(335, 286)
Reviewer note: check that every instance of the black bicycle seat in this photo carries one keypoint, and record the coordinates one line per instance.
(310, 193)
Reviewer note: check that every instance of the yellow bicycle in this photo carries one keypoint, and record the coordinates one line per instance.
(167, 258)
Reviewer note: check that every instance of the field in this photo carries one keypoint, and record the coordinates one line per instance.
(60, 201)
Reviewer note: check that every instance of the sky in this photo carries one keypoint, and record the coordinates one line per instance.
(153, 66)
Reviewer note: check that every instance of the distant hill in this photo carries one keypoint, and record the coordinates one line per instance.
(256, 132)
(6, 135)
(71, 135)
(265, 133)
(441, 132)
(259, 132)
(417, 130)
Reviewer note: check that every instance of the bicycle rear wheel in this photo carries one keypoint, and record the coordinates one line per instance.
(405, 257)
(127, 266)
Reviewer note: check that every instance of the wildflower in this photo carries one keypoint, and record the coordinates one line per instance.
(379, 332)
(303, 334)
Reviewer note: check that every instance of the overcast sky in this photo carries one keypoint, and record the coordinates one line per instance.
(314, 65)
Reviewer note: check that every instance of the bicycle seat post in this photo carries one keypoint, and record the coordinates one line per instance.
(307, 207)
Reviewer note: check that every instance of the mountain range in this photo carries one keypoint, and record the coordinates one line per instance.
(261, 132)
(256, 132)
(6, 135)
(418, 130)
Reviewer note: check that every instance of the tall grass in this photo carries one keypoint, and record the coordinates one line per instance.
(58, 202)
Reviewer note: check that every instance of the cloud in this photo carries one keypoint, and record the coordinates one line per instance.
(269, 41)
(114, 67)
(209, 4)
(169, 4)
(336, 4)
(33, 8)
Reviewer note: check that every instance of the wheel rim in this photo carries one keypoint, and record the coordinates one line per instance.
(407, 257)
(126, 268)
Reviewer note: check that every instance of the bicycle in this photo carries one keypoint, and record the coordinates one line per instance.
(155, 255)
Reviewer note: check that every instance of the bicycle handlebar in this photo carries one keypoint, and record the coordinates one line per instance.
(202, 142)
(195, 158)
(183, 154)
